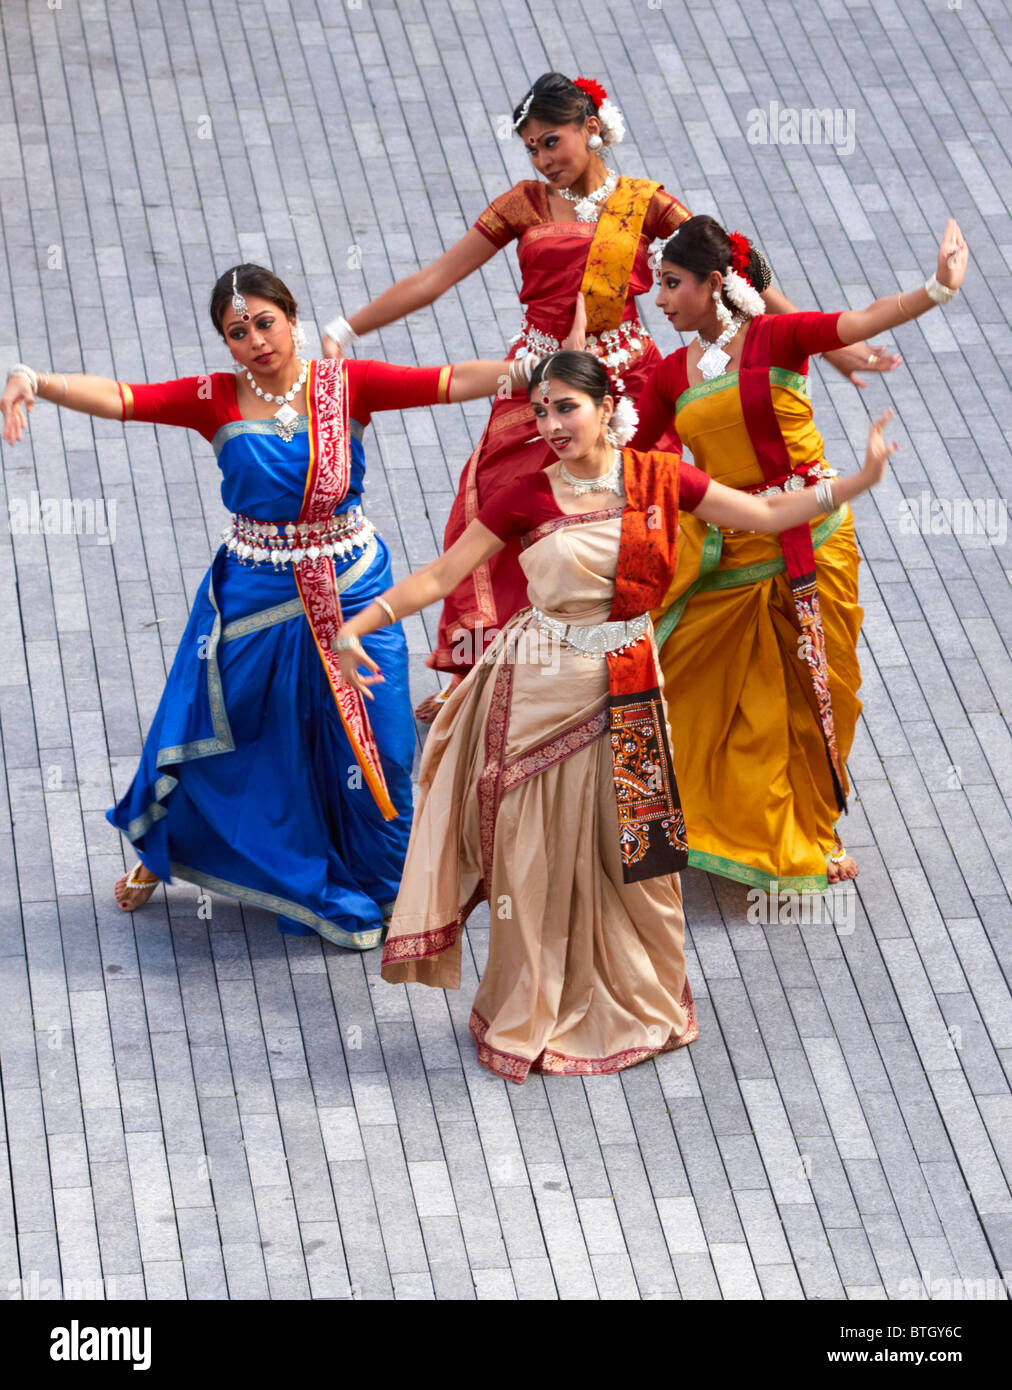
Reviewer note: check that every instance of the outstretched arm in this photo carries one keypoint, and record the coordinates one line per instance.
(725, 506)
(94, 395)
(895, 309)
(419, 289)
(848, 361)
(427, 585)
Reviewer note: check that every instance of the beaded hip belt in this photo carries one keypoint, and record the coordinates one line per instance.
(805, 475)
(616, 347)
(291, 542)
(594, 639)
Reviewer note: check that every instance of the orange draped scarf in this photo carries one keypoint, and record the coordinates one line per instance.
(652, 834)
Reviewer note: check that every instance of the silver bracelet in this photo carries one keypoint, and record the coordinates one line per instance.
(346, 644)
(342, 332)
(939, 293)
(22, 369)
(824, 495)
(526, 366)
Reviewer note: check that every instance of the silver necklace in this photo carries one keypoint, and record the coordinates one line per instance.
(605, 482)
(587, 209)
(714, 359)
(285, 419)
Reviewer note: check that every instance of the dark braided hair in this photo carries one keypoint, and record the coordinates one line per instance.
(701, 246)
(557, 100)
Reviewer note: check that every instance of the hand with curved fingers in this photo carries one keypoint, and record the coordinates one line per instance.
(863, 357)
(350, 659)
(16, 404)
(878, 450)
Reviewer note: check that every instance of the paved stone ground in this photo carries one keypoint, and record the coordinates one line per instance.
(197, 1108)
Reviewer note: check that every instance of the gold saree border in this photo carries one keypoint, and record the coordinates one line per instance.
(284, 907)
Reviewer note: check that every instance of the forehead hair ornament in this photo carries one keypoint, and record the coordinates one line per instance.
(523, 110)
(238, 302)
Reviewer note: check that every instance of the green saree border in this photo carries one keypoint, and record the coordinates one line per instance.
(272, 902)
(779, 376)
(755, 878)
(710, 577)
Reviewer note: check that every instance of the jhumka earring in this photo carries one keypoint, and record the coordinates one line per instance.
(298, 338)
(595, 142)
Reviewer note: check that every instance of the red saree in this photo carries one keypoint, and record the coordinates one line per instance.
(553, 258)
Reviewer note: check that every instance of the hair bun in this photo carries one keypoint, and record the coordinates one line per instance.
(758, 273)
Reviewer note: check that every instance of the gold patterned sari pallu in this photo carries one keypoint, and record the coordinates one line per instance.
(609, 267)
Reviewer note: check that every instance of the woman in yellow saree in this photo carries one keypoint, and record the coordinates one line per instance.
(758, 633)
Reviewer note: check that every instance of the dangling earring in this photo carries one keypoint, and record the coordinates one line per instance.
(594, 143)
(299, 339)
(610, 437)
(724, 314)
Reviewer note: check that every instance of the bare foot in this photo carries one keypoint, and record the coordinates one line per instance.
(846, 868)
(132, 895)
(429, 708)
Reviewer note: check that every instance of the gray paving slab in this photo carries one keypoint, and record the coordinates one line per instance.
(200, 1108)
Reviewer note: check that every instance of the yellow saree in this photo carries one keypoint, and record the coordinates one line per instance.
(747, 744)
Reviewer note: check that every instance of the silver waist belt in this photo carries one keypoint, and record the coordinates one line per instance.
(594, 639)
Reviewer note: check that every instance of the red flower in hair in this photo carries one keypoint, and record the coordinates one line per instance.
(740, 252)
(592, 89)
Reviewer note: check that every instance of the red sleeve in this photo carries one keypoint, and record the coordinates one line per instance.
(519, 506)
(202, 403)
(664, 216)
(655, 407)
(795, 337)
(510, 214)
(692, 485)
(376, 386)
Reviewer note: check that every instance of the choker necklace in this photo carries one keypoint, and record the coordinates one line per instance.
(606, 482)
(714, 359)
(587, 209)
(285, 419)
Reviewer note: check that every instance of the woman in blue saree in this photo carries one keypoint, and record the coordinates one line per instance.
(261, 777)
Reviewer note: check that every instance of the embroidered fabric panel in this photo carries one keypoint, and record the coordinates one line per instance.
(652, 835)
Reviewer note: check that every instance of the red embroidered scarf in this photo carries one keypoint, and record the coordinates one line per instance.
(652, 835)
(326, 487)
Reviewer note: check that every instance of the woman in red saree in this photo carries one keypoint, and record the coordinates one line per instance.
(546, 784)
(583, 230)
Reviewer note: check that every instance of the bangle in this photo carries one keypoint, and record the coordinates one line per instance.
(386, 609)
(346, 644)
(526, 366)
(64, 380)
(899, 304)
(824, 495)
(21, 369)
(939, 293)
(341, 331)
